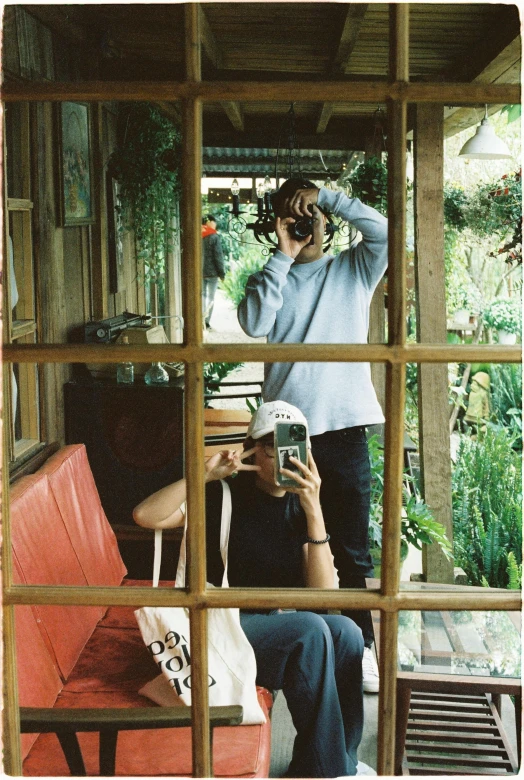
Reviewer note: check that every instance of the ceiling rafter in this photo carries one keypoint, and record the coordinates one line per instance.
(214, 53)
(504, 68)
(354, 15)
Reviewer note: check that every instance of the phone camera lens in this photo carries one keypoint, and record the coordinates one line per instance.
(297, 432)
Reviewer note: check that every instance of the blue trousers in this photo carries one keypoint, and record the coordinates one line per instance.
(317, 661)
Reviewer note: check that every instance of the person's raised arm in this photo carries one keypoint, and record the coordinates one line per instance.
(258, 309)
(162, 509)
(371, 254)
(319, 571)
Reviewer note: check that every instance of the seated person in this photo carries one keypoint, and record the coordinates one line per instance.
(278, 540)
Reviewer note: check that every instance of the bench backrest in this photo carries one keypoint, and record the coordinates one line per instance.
(61, 536)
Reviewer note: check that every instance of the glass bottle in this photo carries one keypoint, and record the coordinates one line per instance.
(125, 372)
(156, 375)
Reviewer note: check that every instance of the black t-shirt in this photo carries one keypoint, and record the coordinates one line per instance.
(266, 537)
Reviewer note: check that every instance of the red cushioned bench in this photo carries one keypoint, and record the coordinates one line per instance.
(72, 657)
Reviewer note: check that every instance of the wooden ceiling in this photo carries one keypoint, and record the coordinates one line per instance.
(449, 42)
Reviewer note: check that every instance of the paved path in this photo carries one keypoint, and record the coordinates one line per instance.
(226, 330)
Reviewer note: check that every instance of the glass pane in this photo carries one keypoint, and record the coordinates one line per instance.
(460, 643)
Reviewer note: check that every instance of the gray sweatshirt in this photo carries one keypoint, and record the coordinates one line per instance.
(325, 301)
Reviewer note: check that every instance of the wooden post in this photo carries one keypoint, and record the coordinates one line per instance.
(431, 327)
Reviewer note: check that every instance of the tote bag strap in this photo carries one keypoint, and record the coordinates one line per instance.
(225, 525)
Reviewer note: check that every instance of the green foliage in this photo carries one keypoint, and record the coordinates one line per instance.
(506, 398)
(455, 200)
(146, 164)
(214, 373)
(514, 573)
(496, 208)
(503, 314)
(234, 282)
(418, 525)
(487, 507)
(369, 182)
(513, 112)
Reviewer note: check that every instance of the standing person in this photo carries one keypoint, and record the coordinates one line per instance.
(303, 295)
(213, 265)
(278, 540)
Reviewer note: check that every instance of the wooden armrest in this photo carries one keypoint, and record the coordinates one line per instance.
(65, 723)
(43, 719)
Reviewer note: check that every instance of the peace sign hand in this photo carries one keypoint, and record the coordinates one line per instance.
(226, 462)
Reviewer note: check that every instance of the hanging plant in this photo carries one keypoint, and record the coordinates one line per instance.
(146, 164)
(369, 183)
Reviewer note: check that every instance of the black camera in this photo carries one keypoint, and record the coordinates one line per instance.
(302, 228)
(297, 432)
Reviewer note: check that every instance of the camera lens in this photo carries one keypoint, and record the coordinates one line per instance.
(302, 227)
(297, 432)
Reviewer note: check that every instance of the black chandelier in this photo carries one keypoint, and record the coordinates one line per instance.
(263, 228)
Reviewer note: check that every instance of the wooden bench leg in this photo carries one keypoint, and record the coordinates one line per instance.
(73, 754)
(107, 752)
(403, 702)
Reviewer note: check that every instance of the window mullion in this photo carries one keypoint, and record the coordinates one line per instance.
(193, 388)
(395, 382)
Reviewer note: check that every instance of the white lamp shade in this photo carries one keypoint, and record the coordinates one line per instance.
(485, 145)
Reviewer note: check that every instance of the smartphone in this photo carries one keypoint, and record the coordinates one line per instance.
(290, 440)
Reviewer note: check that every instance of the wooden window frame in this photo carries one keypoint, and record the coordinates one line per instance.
(397, 92)
(23, 330)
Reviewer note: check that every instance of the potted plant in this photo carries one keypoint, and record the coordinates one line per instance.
(503, 315)
(418, 526)
(463, 301)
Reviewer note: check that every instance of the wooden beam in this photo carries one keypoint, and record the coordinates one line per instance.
(431, 326)
(234, 113)
(210, 46)
(314, 91)
(504, 69)
(171, 110)
(353, 17)
(325, 115)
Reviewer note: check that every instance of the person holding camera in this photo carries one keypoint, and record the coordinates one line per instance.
(303, 295)
(278, 540)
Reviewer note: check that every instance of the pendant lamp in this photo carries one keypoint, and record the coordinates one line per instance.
(485, 145)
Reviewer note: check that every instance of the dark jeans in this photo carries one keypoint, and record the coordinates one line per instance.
(317, 661)
(342, 459)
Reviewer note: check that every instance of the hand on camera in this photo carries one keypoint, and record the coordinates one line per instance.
(227, 462)
(287, 241)
(298, 204)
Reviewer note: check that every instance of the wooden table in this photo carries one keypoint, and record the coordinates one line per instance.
(448, 663)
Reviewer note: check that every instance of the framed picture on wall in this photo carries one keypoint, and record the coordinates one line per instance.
(115, 248)
(75, 168)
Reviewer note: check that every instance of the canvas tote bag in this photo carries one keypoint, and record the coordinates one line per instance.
(231, 660)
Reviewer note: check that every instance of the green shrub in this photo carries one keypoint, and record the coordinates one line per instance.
(214, 373)
(506, 398)
(487, 508)
(234, 282)
(503, 314)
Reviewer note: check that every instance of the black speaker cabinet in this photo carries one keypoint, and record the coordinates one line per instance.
(134, 440)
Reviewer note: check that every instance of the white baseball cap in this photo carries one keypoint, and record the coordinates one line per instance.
(265, 417)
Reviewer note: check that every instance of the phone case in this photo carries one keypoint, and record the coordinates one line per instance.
(290, 439)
